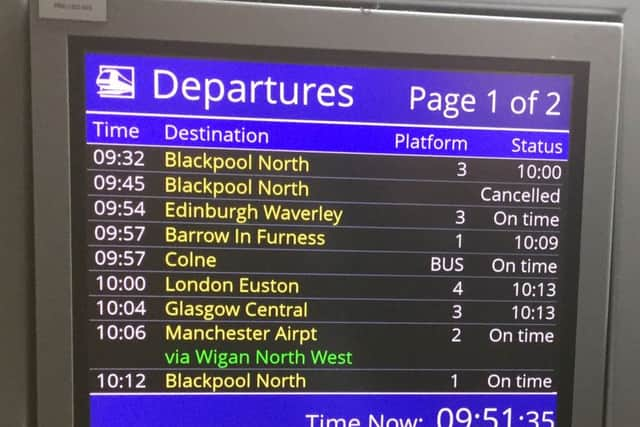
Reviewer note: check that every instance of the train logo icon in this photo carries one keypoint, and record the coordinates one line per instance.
(116, 81)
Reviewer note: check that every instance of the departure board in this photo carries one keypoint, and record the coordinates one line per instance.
(274, 237)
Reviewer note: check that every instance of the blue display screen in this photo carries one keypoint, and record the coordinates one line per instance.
(302, 237)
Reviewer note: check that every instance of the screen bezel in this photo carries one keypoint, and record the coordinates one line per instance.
(79, 46)
(291, 26)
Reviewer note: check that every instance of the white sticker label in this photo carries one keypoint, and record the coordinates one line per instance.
(75, 10)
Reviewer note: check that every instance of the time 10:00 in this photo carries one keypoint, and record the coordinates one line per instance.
(540, 172)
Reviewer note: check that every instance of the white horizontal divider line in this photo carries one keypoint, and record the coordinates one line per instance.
(320, 322)
(360, 393)
(333, 227)
(321, 274)
(207, 172)
(320, 122)
(286, 298)
(292, 150)
(170, 196)
(224, 247)
(337, 369)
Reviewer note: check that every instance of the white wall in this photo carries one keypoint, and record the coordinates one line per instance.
(16, 284)
(16, 232)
